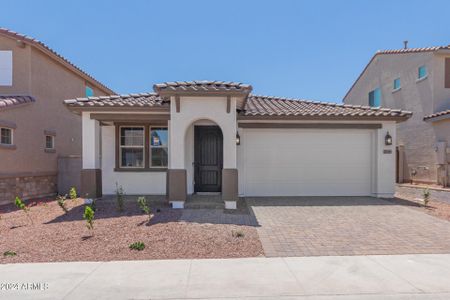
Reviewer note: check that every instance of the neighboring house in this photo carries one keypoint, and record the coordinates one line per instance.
(215, 137)
(416, 80)
(36, 128)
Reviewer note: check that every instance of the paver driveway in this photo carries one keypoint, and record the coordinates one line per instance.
(310, 226)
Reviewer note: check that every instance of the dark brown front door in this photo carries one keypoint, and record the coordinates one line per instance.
(208, 158)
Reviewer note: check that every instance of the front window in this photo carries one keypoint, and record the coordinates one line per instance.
(375, 98)
(422, 72)
(49, 142)
(132, 147)
(158, 147)
(6, 137)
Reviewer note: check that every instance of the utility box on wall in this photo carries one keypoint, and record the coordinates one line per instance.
(441, 153)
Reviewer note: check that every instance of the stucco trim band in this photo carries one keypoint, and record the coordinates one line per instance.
(8, 124)
(310, 125)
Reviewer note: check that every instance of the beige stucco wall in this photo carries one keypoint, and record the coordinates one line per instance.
(36, 74)
(422, 97)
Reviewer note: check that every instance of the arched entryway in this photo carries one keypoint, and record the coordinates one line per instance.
(208, 158)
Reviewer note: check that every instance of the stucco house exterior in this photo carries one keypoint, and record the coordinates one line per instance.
(36, 128)
(417, 80)
(217, 137)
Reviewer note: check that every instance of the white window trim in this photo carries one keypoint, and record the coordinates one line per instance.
(53, 142)
(137, 147)
(12, 135)
(150, 148)
(421, 78)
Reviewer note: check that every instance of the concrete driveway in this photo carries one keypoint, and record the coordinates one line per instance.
(316, 226)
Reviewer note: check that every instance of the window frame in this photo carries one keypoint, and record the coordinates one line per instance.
(394, 88)
(374, 91)
(150, 147)
(120, 147)
(52, 137)
(11, 130)
(418, 72)
(86, 88)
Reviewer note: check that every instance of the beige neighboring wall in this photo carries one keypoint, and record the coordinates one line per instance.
(49, 81)
(422, 97)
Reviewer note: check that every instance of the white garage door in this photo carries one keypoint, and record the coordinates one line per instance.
(306, 162)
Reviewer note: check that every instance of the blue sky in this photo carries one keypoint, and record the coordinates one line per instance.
(300, 49)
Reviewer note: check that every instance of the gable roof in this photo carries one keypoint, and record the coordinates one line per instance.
(131, 101)
(438, 116)
(284, 107)
(54, 55)
(201, 86)
(256, 107)
(396, 51)
(7, 101)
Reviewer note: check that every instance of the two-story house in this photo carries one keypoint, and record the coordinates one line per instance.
(36, 129)
(417, 80)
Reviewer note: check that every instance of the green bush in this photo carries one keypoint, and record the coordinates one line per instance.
(426, 196)
(237, 234)
(142, 202)
(119, 196)
(21, 205)
(89, 217)
(139, 246)
(73, 193)
(61, 200)
(9, 253)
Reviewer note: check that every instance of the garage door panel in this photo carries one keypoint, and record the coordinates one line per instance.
(299, 162)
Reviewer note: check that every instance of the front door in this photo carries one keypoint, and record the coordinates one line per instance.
(208, 158)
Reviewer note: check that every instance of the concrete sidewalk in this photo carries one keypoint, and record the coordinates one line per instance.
(332, 277)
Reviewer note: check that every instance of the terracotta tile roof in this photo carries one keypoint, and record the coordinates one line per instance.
(130, 100)
(396, 51)
(202, 86)
(274, 106)
(13, 100)
(443, 113)
(54, 54)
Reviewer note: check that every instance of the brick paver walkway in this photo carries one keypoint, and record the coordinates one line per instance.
(311, 226)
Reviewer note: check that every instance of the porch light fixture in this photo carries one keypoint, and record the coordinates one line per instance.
(238, 138)
(388, 139)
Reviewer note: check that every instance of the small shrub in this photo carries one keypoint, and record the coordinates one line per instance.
(20, 205)
(119, 196)
(89, 217)
(61, 200)
(237, 234)
(73, 193)
(139, 246)
(9, 253)
(426, 196)
(142, 202)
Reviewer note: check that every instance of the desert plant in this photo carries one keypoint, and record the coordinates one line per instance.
(237, 234)
(73, 193)
(119, 196)
(20, 205)
(89, 217)
(61, 200)
(9, 253)
(426, 196)
(142, 202)
(139, 246)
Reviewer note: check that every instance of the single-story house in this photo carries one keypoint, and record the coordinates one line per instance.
(217, 137)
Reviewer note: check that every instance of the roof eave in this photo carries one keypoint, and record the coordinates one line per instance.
(397, 119)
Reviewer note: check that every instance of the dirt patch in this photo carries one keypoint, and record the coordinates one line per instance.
(54, 236)
(434, 208)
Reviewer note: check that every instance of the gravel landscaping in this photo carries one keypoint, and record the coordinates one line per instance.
(49, 235)
(439, 205)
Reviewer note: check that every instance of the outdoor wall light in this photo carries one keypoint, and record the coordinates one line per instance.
(238, 138)
(388, 139)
